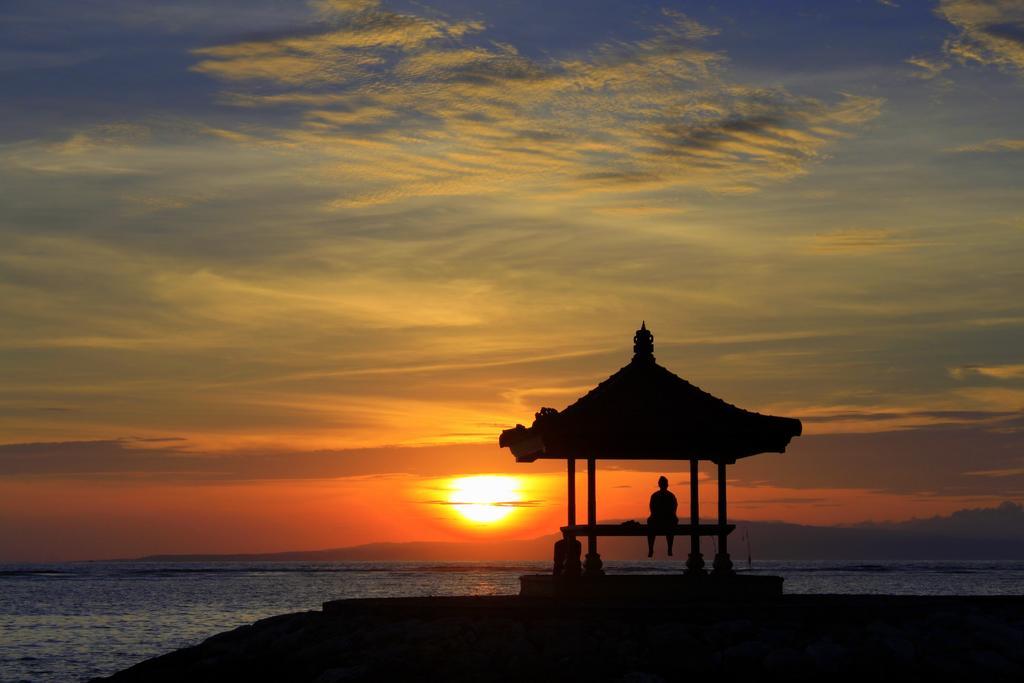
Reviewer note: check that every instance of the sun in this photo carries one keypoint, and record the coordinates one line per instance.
(484, 499)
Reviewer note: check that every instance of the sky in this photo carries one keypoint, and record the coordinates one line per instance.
(275, 275)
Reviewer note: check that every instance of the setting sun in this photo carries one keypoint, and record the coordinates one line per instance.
(484, 499)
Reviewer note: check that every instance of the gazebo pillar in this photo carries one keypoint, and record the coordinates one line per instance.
(572, 559)
(723, 564)
(593, 564)
(571, 474)
(695, 562)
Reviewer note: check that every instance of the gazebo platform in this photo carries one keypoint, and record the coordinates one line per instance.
(666, 587)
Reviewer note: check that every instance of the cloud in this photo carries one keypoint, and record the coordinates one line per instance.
(329, 7)
(1006, 472)
(497, 504)
(104, 149)
(932, 460)
(176, 460)
(954, 459)
(962, 417)
(851, 420)
(990, 31)
(1012, 371)
(993, 145)
(781, 500)
(336, 55)
(928, 68)
(863, 241)
(409, 107)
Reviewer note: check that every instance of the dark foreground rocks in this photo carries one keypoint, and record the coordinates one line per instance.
(795, 637)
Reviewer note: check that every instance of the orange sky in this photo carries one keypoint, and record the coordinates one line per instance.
(271, 278)
(60, 520)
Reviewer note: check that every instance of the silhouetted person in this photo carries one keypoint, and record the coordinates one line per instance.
(663, 516)
(567, 557)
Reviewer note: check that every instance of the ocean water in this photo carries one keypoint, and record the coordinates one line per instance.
(70, 622)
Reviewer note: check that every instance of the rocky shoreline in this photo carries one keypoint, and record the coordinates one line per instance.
(503, 638)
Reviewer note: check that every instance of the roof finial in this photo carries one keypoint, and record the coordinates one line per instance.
(643, 342)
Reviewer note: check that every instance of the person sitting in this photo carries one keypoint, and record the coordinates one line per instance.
(663, 516)
(567, 557)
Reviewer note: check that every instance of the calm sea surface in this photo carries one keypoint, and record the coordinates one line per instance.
(68, 622)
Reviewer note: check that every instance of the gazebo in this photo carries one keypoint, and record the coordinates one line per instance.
(645, 412)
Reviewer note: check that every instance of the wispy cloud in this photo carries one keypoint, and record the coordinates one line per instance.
(863, 241)
(336, 55)
(412, 107)
(1005, 372)
(990, 31)
(945, 459)
(854, 420)
(173, 459)
(928, 69)
(998, 474)
(994, 145)
(497, 504)
(103, 150)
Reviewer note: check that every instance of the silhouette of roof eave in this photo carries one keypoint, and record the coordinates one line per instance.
(529, 445)
(645, 412)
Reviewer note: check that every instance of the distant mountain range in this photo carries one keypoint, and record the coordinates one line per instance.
(972, 534)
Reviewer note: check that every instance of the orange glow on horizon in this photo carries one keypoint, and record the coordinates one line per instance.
(63, 520)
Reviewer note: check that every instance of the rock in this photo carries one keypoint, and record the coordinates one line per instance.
(729, 632)
(827, 656)
(671, 638)
(900, 648)
(776, 637)
(993, 663)
(747, 651)
(342, 674)
(499, 639)
(941, 640)
(1000, 638)
(784, 660)
(641, 677)
(882, 630)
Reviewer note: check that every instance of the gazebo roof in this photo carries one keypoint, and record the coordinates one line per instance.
(645, 412)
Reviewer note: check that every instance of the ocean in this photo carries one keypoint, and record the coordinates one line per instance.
(71, 622)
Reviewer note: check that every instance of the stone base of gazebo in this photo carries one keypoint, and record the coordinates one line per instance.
(652, 586)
